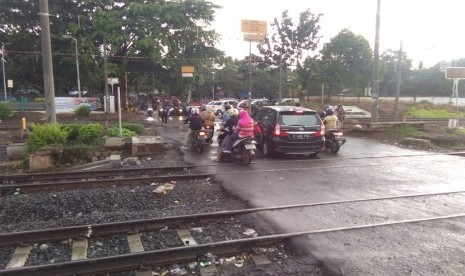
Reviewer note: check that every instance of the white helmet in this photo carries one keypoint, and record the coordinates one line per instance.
(195, 110)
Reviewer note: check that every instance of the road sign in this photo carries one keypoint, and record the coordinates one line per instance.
(254, 37)
(112, 81)
(253, 26)
(455, 73)
(187, 69)
(10, 83)
(187, 75)
(444, 65)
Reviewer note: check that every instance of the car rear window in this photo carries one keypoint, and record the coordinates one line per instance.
(300, 119)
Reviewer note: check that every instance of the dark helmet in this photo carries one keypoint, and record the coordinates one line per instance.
(227, 107)
(330, 111)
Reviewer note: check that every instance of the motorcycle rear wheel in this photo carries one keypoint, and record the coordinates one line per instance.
(246, 157)
(199, 146)
(334, 149)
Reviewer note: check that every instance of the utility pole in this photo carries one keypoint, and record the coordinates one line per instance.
(250, 71)
(105, 77)
(3, 67)
(399, 77)
(47, 65)
(375, 80)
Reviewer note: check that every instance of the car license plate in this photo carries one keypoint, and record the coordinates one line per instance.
(250, 146)
(302, 136)
(201, 133)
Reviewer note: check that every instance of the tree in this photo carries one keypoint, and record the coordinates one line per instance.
(142, 37)
(346, 62)
(286, 46)
(389, 67)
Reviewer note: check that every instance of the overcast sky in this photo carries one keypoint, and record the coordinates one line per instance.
(430, 30)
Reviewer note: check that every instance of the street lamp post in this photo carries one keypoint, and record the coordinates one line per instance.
(77, 63)
(213, 86)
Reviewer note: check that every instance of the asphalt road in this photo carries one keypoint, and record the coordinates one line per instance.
(362, 170)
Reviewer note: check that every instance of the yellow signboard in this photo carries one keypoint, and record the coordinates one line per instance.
(254, 37)
(187, 69)
(254, 26)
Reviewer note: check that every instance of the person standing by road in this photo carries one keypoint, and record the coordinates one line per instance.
(341, 115)
(165, 113)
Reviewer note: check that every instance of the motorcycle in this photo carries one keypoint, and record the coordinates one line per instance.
(197, 140)
(209, 132)
(150, 112)
(334, 139)
(243, 151)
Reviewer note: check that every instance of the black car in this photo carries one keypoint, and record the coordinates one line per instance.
(290, 130)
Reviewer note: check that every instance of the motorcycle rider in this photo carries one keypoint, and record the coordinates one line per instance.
(195, 124)
(208, 118)
(245, 128)
(226, 116)
(330, 120)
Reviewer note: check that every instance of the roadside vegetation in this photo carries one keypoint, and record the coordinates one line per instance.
(71, 142)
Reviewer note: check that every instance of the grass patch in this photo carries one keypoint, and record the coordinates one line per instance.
(404, 131)
(432, 113)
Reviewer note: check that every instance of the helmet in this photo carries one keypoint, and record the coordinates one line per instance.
(203, 107)
(330, 111)
(233, 112)
(227, 106)
(194, 110)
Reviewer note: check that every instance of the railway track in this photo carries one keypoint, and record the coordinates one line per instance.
(189, 246)
(126, 172)
(28, 183)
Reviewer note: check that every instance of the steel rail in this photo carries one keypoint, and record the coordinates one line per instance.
(145, 225)
(133, 261)
(40, 187)
(91, 173)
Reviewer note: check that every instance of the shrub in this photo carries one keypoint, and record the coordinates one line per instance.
(46, 134)
(114, 132)
(137, 128)
(82, 111)
(89, 133)
(5, 111)
(73, 132)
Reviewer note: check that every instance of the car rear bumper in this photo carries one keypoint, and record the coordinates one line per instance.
(298, 148)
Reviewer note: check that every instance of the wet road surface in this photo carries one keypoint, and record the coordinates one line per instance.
(363, 169)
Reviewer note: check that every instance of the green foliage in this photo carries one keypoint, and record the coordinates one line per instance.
(46, 134)
(114, 132)
(137, 128)
(82, 111)
(459, 131)
(90, 133)
(432, 113)
(404, 131)
(73, 132)
(5, 111)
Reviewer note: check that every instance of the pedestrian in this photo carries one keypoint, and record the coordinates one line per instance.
(165, 113)
(341, 115)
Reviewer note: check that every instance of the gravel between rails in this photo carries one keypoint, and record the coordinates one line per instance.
(22, 212)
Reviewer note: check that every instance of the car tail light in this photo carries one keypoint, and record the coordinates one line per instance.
(321, 132)
(279, 132)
